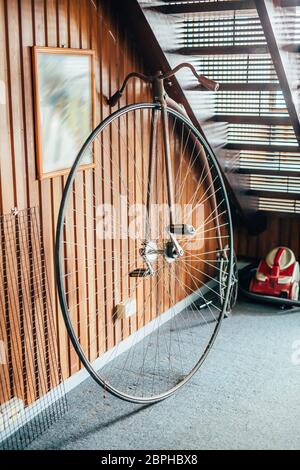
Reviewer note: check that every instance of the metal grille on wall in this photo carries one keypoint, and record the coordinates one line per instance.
(31, 391)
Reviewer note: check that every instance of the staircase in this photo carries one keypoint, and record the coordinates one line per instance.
(252, 48)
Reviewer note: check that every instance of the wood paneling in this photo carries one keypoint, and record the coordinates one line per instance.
(280, 230)
(62, 23)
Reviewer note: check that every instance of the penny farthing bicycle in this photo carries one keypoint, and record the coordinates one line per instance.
(143, 235)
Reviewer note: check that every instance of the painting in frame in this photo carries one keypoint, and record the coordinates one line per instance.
(64, 107)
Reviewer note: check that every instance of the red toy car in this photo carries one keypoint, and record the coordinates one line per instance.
(277, 275)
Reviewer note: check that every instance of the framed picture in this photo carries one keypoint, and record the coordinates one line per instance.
(64, 107)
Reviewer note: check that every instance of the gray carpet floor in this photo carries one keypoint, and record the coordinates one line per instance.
(245, 396)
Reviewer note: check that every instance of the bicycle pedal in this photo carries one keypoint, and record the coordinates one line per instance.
(181, 229)
(140, 272)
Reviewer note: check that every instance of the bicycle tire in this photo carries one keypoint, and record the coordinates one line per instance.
(59, 258)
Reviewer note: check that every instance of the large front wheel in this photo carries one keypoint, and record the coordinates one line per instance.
(128, 295)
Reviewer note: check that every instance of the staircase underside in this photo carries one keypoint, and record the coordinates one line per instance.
(252, 122)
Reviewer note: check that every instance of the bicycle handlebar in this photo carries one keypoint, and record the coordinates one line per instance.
(208, 83)
(204, 81)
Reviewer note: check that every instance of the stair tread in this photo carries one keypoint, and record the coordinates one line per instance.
(205, 7)
(292, 47)
(252, 119)
(220, 50)
(266, 172)
(290, 3)
(262, 147)
(240, 87)
(273, 194)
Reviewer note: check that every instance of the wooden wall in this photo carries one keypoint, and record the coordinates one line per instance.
(281, 230)
(68, 23)
(55, 23)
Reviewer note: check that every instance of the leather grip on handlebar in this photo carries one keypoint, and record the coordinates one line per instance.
(208, 83)
(112, 101)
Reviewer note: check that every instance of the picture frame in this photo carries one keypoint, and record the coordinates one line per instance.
(64, 104)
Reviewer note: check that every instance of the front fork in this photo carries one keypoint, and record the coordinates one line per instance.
(159, 96)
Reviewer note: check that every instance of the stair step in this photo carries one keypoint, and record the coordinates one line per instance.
(241, 87)
(205, 7)
(289, 3)
(286, 207)
(246, 119)
(266, 172)
(273, 194)
(220, 50)
(263, 148)
(293, 47)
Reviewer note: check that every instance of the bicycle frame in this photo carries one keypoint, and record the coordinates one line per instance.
(161, 97)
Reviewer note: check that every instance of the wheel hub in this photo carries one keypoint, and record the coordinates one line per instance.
(171, 252)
